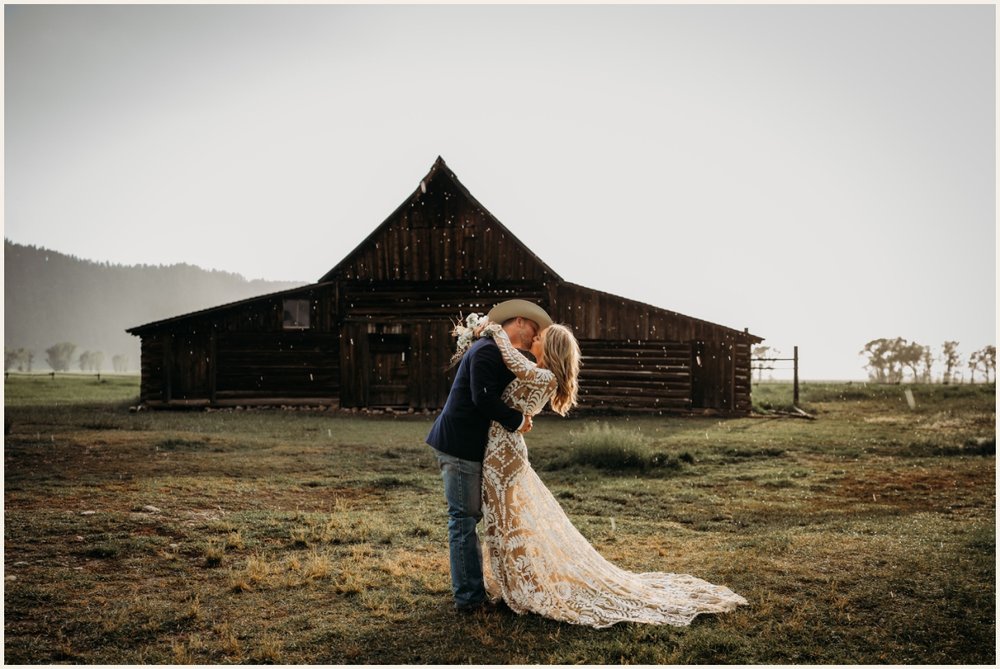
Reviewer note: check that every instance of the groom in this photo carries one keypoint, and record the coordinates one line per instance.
(459, 436)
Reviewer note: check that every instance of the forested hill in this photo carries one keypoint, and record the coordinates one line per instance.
(51, 297)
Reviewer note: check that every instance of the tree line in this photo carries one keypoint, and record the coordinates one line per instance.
(893, 360)
(54, 297)
(60, 358)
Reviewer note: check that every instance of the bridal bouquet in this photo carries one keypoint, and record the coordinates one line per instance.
(466, 334)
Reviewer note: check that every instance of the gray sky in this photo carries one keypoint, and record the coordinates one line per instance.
(824, 175)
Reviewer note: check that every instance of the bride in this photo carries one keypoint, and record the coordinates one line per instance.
(534, 559)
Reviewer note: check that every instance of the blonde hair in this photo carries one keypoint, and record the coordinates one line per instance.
(562, 357)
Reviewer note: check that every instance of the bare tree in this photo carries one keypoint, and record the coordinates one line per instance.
(119, 363)
(59, 356)
(927, 360)
(973, 365)
(910, 355)
(91, 361)
(20, 358)
(885, 359)
(877, 365)
(951, 359)
(985, 358)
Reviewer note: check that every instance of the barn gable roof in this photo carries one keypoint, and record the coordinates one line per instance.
(439, 170)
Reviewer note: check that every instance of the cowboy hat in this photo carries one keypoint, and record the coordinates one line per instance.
(514, 308)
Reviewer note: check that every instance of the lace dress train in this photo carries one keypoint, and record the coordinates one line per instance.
(537, 561)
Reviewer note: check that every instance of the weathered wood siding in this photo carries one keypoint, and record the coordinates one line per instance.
(151, 368)
(597, 315)
(741, 377)
(187, 364)
(635, 375)
(441, 234)
(243, 351)
(657, 358)
(397, 334)
(387, 343)
(400, 301)
(285, 364)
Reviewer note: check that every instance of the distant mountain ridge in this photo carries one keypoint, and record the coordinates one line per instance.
(51, 297)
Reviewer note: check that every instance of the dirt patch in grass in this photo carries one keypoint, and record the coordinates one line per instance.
(928, 486)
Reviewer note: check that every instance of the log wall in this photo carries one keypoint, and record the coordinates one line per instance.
(286, 364)
(151, 368)
(390, 345)
(715, 359)
(634, 375)
(243, 351)
(379, 315)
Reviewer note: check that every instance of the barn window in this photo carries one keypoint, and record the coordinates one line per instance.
(296, 314)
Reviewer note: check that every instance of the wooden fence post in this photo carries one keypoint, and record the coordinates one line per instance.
(795, 387)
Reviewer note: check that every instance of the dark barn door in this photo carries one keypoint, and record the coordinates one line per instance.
(186, 359)
(388, 370)
(698, 369)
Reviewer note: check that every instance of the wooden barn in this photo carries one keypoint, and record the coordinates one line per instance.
(375, 330)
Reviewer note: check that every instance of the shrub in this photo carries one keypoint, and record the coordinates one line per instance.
(614, 449)
(214, 553)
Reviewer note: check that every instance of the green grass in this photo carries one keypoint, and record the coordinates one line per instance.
(866, 536)
(34, 389)
(779, 395)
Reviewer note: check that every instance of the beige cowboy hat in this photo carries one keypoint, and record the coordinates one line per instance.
(523, 308)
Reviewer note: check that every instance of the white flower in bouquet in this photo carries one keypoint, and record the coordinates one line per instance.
(465, 334)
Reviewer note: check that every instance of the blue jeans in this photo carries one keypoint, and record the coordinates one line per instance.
(463, 491)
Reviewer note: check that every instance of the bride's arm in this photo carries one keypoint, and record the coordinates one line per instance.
(515, 361)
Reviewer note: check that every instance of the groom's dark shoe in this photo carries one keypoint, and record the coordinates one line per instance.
(472, 608)
(486, 606)
(500, 606)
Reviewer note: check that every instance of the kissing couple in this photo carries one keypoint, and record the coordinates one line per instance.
(510, 365)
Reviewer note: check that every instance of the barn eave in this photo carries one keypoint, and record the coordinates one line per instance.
(744, 334)
(139, 330)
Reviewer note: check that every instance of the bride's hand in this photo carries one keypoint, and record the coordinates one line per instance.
(482, 326)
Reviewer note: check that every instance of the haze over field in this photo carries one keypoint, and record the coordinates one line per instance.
(823, 175)
(51, 298)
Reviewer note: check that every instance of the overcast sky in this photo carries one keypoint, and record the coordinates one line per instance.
(823, 175)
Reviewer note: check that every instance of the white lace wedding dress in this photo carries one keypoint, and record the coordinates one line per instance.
(533, 557)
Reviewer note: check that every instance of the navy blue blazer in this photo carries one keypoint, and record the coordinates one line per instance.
(473, 401)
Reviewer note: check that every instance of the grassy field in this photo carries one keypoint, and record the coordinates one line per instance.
(866, 535)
